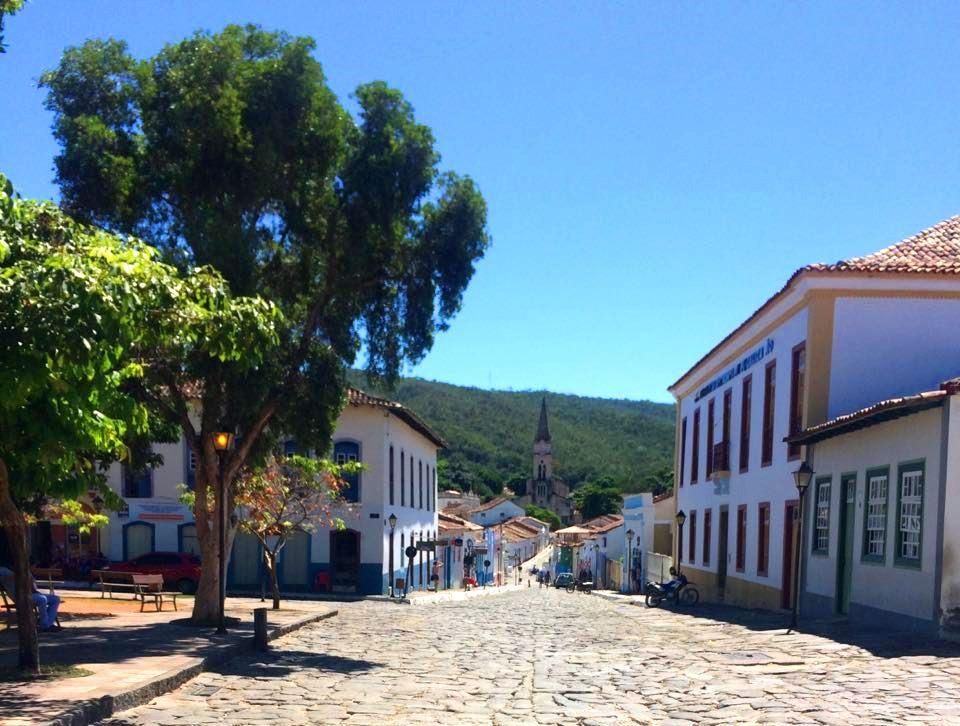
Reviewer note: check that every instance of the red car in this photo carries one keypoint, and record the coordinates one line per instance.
(179, 569)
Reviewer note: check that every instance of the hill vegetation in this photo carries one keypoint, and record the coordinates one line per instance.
(490, 433)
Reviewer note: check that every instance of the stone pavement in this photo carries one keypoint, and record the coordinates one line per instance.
(548, 657)
(126, 650)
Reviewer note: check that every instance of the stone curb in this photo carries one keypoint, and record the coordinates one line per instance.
(94, 710)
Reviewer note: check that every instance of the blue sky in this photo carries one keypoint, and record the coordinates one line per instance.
(654, 171)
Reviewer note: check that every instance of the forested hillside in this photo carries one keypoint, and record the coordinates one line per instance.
(491, 433)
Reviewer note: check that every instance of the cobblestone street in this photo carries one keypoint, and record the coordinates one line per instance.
(548, 657)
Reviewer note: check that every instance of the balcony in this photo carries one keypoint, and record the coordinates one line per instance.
(720, 474)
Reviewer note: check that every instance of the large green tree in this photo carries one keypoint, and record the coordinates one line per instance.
(83, 316)
(597, 497)
(229, 149)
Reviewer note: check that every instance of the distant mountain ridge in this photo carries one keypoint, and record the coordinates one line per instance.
(491, 432)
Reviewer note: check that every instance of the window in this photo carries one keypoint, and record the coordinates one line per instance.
(137, 480)
(710, 407)
(420, 480)
(707, 521)
(746, 400)
(821, 524)
(391, 474)
(797, 370)
(345, 452)
(683, 446)
(875, 514)
(769, 396)
(290, 448)
(190, 464)
(727, 406)
(411, 483)
(403, 488)
(763, 538)
(741, 537)
(909, 514)
(692, 557)
(695, 453)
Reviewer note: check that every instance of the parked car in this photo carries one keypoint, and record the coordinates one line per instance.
(180, 570)
(564, 579)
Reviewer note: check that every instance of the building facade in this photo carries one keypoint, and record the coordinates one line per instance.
(398, 452)
(834, 339)
(881, 537)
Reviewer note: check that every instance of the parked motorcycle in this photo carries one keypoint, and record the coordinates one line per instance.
(678, 591)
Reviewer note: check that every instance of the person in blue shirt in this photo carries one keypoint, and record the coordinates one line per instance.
(47, 604)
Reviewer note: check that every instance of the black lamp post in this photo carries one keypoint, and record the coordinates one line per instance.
(222, 441)
(681, 518)
(801, 478)
(392, 521)
(630, 535)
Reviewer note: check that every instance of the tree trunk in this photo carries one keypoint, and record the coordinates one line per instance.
(274, 583)
(15, 527)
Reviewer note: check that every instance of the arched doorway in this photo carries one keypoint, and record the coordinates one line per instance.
(345, 560)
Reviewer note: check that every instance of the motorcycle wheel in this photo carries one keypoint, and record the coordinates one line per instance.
(689, 596)
(652, 601)
(571, 588)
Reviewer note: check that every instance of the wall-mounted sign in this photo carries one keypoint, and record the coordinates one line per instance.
(160, 512)
(755, 357)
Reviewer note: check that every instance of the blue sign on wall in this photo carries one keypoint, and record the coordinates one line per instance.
(755, 357)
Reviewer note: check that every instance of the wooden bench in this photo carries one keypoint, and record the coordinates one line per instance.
(47, 577)
(10, 607)
(111, 580)
(151, 586)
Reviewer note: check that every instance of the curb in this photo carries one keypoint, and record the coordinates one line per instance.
(94, 710)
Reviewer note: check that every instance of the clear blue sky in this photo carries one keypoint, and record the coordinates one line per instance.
(654, 171)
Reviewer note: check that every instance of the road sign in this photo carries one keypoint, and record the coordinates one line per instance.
(427, 545)
(411, 551)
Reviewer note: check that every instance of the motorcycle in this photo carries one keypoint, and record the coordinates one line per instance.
(678, 591)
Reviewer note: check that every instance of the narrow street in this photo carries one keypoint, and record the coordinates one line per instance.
(548, 657)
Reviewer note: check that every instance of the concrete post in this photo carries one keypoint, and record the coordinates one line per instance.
(260, 629)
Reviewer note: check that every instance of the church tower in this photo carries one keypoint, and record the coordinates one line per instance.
(542, 448)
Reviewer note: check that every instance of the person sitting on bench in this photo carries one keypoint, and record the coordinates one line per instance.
(47, 604)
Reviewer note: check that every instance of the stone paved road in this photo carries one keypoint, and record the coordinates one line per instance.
(548, 657)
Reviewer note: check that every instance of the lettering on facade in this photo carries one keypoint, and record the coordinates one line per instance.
(755, 357)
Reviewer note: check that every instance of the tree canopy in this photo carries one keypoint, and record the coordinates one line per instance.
(83, 316)
(230, 150)
(596, 498)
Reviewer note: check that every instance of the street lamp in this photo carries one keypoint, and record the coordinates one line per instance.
(801, 479)
(681, 517)
(630, 535)
(222, 441)
(392, 521)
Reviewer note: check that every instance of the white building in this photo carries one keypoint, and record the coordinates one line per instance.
(494, 512)
(399, 454)
(833, 339)
(881, 528)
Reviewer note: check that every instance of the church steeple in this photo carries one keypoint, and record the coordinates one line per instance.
(543, 428)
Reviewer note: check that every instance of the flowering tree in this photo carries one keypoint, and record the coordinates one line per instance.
(290, 494)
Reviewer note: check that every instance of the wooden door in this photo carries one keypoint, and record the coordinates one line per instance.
(848, 499)
(724, 525)
(791, 529)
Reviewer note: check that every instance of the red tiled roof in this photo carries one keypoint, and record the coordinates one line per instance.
(934, 251)
(603, 523)
(356, 397)
(876, 413)
(490, 505)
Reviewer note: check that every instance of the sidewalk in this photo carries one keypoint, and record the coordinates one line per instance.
(133, 656)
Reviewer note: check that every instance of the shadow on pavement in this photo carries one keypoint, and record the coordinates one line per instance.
(281, 663)
(881, 641)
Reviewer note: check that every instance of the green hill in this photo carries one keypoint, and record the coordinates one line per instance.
(490, 434)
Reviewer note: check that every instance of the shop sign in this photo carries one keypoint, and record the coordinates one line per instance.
(160, 512)
(741, 366)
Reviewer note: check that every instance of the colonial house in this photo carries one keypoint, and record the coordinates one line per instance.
(456, 538)
(664, 509)
(494, 512)
(399, 454)
(881, 533)
(605, 543)
(834, 339)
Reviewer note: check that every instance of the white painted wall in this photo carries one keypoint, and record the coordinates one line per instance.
(500, 513)
(885, 586)
(950, 566)
(773, 483)
(888, 347)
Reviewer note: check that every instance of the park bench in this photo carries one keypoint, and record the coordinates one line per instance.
(151, 587)
(47, 577)
(111, 580)
(10, 608)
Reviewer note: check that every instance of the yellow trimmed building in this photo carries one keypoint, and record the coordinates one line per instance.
(834, 339)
